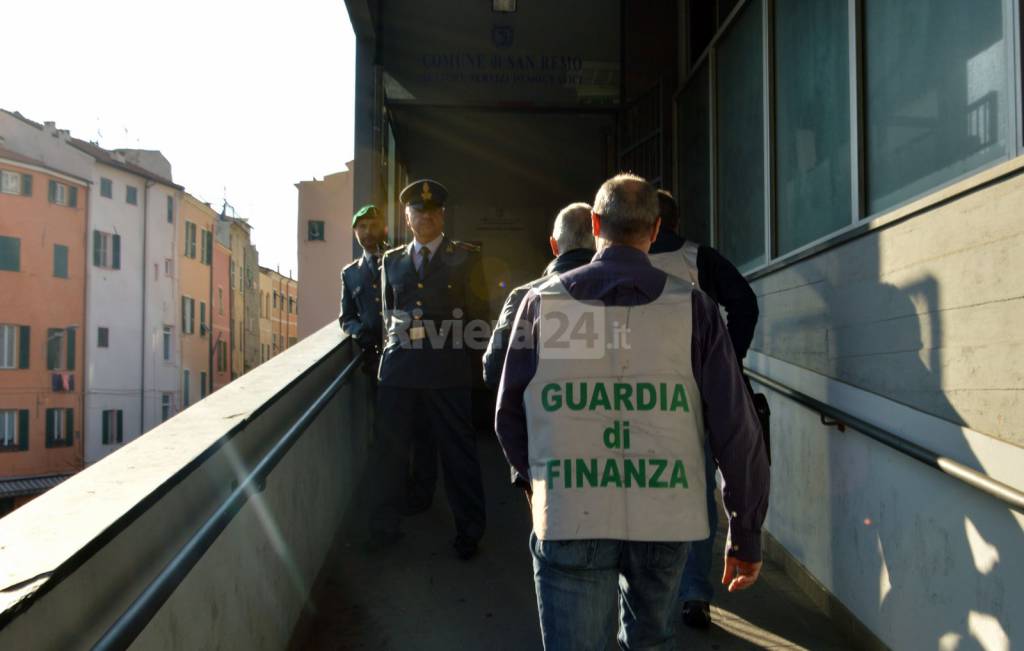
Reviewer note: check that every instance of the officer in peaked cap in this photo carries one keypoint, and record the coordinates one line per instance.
(360, 318)
(433, 288)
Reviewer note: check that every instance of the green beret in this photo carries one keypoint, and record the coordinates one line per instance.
(369, 210)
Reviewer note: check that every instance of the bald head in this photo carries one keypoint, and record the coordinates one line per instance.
(627, 206)
(572, 229)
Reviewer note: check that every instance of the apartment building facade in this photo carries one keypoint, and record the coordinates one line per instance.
(325, 245)
(42, 288)
(195, 257)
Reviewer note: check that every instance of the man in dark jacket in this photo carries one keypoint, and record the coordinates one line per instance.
(572, 244)
(360, 318)
(710, 272)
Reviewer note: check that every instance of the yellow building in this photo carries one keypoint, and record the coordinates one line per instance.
(279, 310)
(195, 270)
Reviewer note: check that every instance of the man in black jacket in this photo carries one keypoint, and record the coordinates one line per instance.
(710, 272)
(572, 244)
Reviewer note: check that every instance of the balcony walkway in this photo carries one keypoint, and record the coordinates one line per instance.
(418, 596)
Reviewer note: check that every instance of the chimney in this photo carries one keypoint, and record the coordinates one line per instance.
(50, 127)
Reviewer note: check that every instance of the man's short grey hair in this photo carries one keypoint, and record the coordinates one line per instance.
(628, 207)
(572, 229)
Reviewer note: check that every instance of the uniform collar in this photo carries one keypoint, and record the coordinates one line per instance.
(434, 245)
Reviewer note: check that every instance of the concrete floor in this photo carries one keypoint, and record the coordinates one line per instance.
(418, 595)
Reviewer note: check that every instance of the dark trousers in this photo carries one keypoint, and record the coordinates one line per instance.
(401, 416)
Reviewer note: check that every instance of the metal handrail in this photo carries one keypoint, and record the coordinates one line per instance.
(132, 622)
(991, 487)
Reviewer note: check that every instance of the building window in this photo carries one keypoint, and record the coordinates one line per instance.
(165, 407)
(202, 319)
(106, 250)
(113, 426)
(740, 168)
(291, 305)
(231, 275)
(131, 195)
(106, 188)
(168, 267)
(220, 300)
(186, 380)
(60, 349)
(812, 73)
(188, 315)
(60, 425)
(13, 429)
(202, 384)
(60, 261)
(102, 337)
(275, 300)
(10, 254)
(170, 210)
(63, 194)
(15, 183)
(190, 240)
(222, 357)
(315, 231)
(937, 99)
(168, 339)
(14, 346)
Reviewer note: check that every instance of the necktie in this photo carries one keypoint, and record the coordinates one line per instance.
(425, 252)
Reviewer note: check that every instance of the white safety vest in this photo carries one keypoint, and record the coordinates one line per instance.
(681, 263)
(616, 438)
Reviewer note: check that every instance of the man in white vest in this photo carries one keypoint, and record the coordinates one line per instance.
(613, 370)
(713, 274)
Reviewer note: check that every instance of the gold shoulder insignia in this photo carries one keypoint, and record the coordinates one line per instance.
(395, 250)
(467, 246)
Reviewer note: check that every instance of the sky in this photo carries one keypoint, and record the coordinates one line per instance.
(244, 97)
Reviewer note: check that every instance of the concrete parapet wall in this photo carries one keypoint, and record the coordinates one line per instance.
(74, 559)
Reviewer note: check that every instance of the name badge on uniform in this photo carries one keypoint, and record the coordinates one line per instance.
(417, 332)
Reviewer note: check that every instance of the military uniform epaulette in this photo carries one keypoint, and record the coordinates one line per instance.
(396, 250)
(352, 264)
(465, 246)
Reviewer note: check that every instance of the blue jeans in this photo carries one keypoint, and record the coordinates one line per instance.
(581, 582)
(696, 583)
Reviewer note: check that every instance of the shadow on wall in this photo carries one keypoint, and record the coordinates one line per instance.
(928, 554)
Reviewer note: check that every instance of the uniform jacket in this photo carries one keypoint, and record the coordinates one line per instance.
(361, 302)
(448, 303)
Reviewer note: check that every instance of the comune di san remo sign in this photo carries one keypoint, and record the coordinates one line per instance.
(460, 53)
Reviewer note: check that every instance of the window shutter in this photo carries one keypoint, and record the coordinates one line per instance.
(69, 427)
(192, 315)
(120, 426)
(184, 317)
(117, 251)
(73, 196)
(52, 349)
(53, 191)
(202, 317)
(106, 426)
(49, 428)
(70, 334)
(26, 185)
(23, 429)
(97, 242)
(23, 346)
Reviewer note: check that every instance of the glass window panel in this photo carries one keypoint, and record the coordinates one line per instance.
(812, 90)
(740, 130)
(936, 94)
(695, 158)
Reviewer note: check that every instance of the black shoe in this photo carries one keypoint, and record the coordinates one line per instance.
(465, 548)
(378, 542)
(697, 614)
